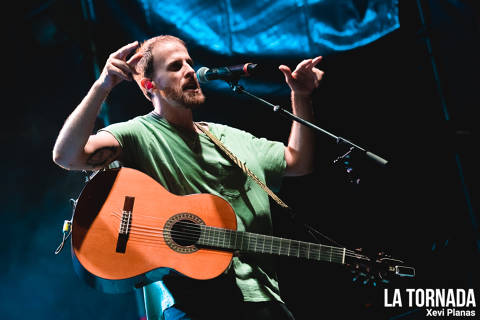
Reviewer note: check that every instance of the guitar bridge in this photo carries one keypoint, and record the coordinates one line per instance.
(125, 224)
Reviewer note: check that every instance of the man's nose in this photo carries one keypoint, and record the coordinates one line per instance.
(190, 72)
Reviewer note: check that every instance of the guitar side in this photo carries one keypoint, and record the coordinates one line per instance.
(114, 249)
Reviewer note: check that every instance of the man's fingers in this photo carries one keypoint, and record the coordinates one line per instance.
(123, 66)
(284, 68)
(308, 64)
(132, 62)
(316, 60)
(125, 50)
(304, 65)
(319, 74)
(286, 72)
(114, 70)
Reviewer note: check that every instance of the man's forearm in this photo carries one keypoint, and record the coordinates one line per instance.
(79, 126)
(301, 140)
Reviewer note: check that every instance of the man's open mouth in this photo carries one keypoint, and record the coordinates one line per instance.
(190, 86)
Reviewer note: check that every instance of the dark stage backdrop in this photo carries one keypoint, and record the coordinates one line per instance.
(385, 96)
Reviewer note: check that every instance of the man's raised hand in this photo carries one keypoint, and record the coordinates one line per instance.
(305, 78)
(117, 68)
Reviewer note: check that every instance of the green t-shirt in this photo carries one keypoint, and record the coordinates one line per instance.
(188, 163)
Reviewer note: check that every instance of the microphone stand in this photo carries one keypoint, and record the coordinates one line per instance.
(352, 179)
(353, 147)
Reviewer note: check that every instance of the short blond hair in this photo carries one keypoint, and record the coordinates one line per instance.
(145, 67)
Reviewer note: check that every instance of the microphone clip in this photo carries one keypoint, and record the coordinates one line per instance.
(345, 159)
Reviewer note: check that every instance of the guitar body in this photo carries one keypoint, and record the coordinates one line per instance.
(127, 228)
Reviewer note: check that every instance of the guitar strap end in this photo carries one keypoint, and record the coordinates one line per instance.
(66, 231)
(66, 228)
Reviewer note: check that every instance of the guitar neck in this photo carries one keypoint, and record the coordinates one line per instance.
(258, 243)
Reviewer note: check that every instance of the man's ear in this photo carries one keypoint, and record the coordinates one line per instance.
(147, 84)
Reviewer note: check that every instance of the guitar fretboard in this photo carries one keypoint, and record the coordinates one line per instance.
(259, 243)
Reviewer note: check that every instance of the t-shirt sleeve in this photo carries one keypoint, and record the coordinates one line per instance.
(124, 132)
(271, 157)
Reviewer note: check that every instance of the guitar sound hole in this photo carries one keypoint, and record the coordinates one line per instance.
(185, 233)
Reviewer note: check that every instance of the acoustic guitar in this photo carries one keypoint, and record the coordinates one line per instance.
(128, 231)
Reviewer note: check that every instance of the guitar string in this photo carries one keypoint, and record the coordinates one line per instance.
(189, 237)
(301, 253)
(334, 257)
(255, 247)
(304, 252)
(159, 231)
(163, 219)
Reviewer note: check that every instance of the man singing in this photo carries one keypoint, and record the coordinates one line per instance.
(168, 145)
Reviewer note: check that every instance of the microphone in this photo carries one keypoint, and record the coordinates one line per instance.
(205, 74)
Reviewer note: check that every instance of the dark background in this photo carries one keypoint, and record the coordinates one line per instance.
(385, 97)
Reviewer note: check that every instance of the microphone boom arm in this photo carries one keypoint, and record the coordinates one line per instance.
(276, 108)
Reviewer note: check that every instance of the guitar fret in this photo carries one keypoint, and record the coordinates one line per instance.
(234, 240)
(216, 238)
(228, 243)
(319, 252)
(241, 242)
(202, 235)
(284, 249)
(211, 238)
(277, 244)
(302, 250)
(221, 240)
(311, 250)
(327, 255)
(231, 241)
(269, 243)
(226, 238)
(307, 247)
(294, 248)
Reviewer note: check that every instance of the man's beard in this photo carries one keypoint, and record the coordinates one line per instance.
(188, 99)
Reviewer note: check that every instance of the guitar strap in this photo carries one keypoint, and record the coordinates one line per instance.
(313, 232)
(242, 166)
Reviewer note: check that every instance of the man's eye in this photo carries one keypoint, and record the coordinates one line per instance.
(175, 66)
